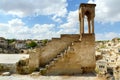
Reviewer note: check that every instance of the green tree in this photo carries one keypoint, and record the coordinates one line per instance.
(11, 40)
(44, 41)
(32, 44)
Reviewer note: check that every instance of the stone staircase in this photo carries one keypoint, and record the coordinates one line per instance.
(65, 55)
(59, 56)
(54, 47)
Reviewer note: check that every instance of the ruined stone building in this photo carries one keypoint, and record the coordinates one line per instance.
(71, 53)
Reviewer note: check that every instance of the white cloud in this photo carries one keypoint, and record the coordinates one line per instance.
(90, 1)
(56, 19)
(106, 36)
(23, 8)
(72, 24)
(16, 22)
(43, 31)
(17, 29)
(107, 10)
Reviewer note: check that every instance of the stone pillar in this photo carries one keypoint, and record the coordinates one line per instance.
(80, 28)
(82, 25)
(93, 25)
(89, 27)
(80, 22)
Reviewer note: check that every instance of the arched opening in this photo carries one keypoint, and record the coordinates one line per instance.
(85, 24)
(88, 17)
(87, 13)
(22, 51)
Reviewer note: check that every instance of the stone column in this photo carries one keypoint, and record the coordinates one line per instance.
(82, 25)
(93, 25)
(89, 27)
(80, 22)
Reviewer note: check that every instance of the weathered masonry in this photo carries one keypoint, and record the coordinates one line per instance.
(71, 53)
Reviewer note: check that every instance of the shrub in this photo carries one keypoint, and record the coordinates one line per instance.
(32, 44)
(4, 68)
(23, 70)
(97, 70)
(42, 72)
(1, 67)
(22, 66)
(44, 42)
(103, 46)
(11, 40)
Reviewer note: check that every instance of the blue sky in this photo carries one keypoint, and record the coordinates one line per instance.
(44, 19)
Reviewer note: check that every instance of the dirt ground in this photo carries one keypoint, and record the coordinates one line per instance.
(29, 77)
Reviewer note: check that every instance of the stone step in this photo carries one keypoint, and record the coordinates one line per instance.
(47, 66)
(58, 56)
(43, 71)
(72, 44)
(65, 51)
(61, 55)
(69, 47)
(55, 59)
(52, 62)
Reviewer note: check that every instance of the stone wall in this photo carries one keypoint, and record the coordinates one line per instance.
(86, 52)
(44, 55)
(7, 67)
(34, 59)
(79, 59)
